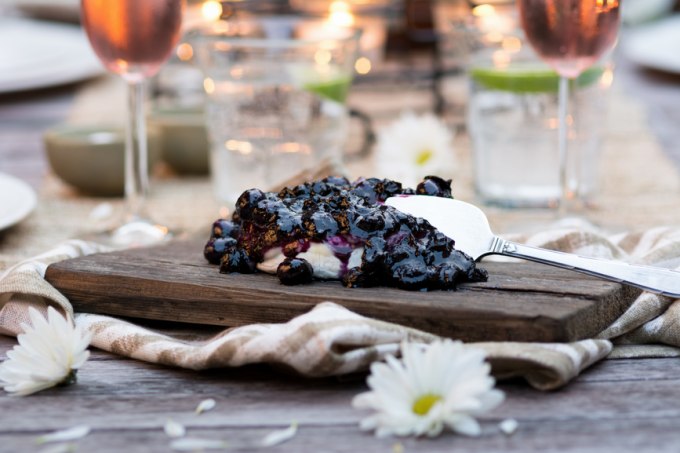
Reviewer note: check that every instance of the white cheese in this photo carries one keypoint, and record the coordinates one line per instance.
(326, 265)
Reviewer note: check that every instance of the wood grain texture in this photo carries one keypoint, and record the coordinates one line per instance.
(520, 302)
(618, 405)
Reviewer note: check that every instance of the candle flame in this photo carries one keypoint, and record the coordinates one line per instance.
(606, 5)
(185, 52)
(211, 10)
(607, 78)
(209, 85)
(340, 14)
(362, 65)
(483, 10)
(512, 44)
(239, 146)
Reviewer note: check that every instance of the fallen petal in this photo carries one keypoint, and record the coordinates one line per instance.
(193, 444)
(205, 405)
(508, 426)
(174, 429)
(280, 436)
(77, 432)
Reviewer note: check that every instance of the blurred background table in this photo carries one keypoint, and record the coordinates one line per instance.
(618, 405)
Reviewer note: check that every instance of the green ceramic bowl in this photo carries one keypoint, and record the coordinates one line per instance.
(184, 140)
(90, 158)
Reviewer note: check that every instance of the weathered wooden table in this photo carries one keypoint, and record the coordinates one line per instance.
(618, 405)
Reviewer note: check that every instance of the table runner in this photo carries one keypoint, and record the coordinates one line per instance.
(331, 340)
(640, 190)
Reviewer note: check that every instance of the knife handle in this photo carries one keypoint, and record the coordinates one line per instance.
(654, 279)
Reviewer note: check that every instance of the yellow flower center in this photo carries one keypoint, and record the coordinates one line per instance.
(423, 404)
(423, 156)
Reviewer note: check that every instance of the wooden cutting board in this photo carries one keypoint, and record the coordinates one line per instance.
(519, 302)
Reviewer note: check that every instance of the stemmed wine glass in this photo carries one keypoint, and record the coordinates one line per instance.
(570, 36)
(133, 38)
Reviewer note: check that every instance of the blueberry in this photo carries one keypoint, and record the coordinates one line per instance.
(370, 223)
(435, 186)
(302, 190)
(366, 189)
(356, 278)
(411, 274)
(288, 226)
(237, 260)
(292, 248)
(246, 202)
(391, 188)
(294, 271)
(374, 256)
(223, 228)
(286, 193)
(324, 224)
(321, 188)
(216, 248)
(447, 275)
(337, 181)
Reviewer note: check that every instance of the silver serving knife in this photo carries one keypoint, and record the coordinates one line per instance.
(468, 226)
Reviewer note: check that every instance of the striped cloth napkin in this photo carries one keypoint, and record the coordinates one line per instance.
(331, 340)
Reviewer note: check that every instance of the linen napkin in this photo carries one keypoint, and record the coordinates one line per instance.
(331, 340)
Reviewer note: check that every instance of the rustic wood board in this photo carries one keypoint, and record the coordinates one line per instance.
(519, 302)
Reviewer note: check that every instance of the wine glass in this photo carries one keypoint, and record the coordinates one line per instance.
(570, 36)
(133, 38)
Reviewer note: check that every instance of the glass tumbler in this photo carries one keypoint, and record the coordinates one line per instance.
(512, 121)
(276, 91)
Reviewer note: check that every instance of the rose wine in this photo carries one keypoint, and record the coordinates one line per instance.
(132, 37)
(570, 35)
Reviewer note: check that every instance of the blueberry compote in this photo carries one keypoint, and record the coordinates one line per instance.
(398, 249)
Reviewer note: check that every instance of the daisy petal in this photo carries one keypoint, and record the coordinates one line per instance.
(508, 426)
(174, 429)
(205, 405)
(77, 432)
(197, 444)
(280, 436)
(465, 424)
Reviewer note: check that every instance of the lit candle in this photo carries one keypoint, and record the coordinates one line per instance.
(202, 13)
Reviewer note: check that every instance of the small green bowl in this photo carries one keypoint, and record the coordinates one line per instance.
(184, 140)
(91, 158)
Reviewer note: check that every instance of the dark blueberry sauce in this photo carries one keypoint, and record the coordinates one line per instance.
(399, 250)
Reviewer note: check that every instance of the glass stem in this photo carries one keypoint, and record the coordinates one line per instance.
(562, 142)
(136, 162)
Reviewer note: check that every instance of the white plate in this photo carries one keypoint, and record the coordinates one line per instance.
(63, 10)
(41, 54)
(656, 45)
(17, 200)
(633, 11)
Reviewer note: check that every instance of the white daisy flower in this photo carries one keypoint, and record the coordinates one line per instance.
(413, 147)
(49, 353)
(433, 386)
